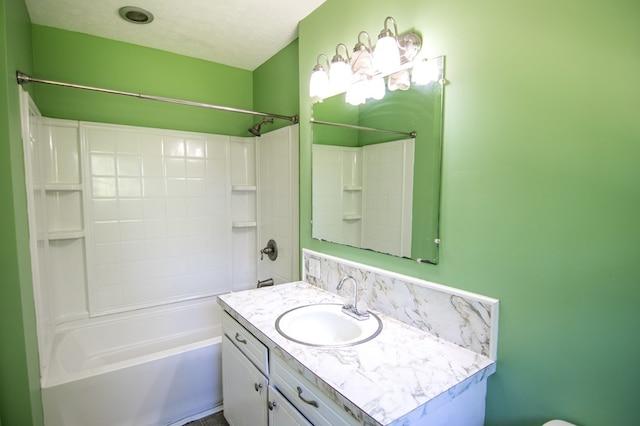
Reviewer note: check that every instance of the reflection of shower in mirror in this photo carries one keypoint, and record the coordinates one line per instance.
(349, 212)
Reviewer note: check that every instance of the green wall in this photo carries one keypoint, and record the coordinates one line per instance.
(540, 178)
(19, 370)
(94, 61)
(275, 86)
(541, 188)
(83, 59)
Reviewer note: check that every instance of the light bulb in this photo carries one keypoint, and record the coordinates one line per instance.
(376, 88)
(319, 84)
(387, 55)
(356, 94)
(340, 76)
(399, 80)
(362, 64)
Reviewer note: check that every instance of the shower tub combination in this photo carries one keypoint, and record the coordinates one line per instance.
(153, 366)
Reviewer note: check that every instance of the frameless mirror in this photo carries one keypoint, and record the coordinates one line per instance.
(376, 170)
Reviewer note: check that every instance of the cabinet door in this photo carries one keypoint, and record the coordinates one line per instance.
(282, 413)
(244, 388)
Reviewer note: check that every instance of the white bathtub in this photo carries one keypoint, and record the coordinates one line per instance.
(147, 367)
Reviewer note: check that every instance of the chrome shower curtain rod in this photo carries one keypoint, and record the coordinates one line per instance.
(371, 129)
(25, 79)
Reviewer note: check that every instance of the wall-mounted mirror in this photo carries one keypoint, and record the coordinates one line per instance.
(375, 186)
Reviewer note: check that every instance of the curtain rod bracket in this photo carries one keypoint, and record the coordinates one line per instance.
(22, 78)
(25, 78)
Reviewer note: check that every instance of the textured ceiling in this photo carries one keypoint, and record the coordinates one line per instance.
(239, 33)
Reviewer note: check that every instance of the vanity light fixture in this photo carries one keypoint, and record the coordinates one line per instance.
(340, 70)
(387, 53)
(362, 65)
(319, 84)
(362, 59)
(362, 75)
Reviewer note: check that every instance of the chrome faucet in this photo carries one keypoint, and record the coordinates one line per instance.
(352, 310)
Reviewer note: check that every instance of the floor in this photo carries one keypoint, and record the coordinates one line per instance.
(216, 419)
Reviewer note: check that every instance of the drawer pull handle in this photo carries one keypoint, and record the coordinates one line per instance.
(240, 339)
(272, 405)
(257, 387)
(306, 401)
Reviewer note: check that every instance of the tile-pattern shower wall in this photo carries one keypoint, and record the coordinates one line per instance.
(466, 319)
(159, 216)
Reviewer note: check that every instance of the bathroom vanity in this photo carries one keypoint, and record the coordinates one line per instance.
(405, 375)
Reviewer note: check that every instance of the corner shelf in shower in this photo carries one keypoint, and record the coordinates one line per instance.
(63, 187)
(352, 188)
(246, 188)
(354, 216)
(65, 235)
(244, 224)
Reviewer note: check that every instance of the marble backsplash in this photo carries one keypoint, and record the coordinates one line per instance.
(463, 318)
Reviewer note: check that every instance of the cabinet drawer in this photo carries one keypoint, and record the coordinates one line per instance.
(282, 413)
(307, 398)
(246, 342)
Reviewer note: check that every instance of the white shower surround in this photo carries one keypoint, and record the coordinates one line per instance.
(363, 196)
(158, 214)
(96, 363)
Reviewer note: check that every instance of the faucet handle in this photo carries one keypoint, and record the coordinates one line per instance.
(361, 308)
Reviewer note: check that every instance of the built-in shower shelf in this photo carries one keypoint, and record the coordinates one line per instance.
(63, 187)
(244, 187)
(65, 235)
(351, 217)
(245, 224)
(352, 188)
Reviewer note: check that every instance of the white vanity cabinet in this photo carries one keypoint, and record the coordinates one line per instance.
(405, 375)
(282, 413)
(244, 376)
(258, 392)
(245, 388)
(306, 396)
(248, 398)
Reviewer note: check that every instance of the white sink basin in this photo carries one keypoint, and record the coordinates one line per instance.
(325, 324)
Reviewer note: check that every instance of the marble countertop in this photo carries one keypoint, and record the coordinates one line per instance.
(397, 378)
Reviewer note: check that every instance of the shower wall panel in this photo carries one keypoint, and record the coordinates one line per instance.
(277, 153)
(65, 284)
(362, 196)
(243, 212)
(158, 216)
(388, 197)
